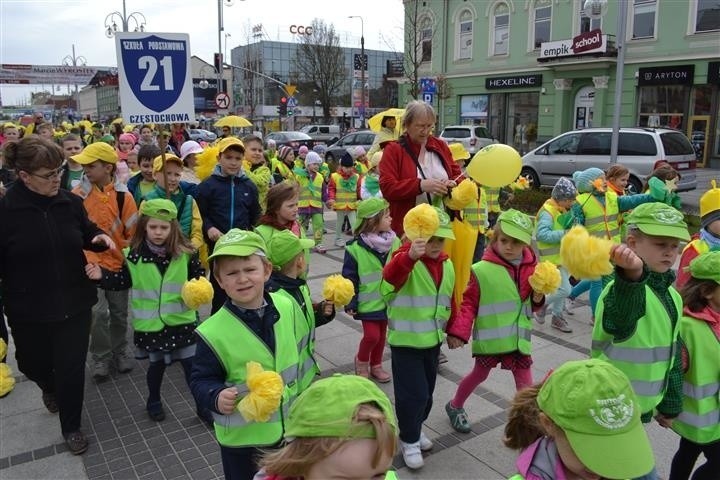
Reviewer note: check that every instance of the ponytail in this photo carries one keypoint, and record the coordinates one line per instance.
(523, 426)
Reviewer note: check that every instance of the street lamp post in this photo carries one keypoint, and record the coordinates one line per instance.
(596, 9)
(363, 64)
(111, 22)
(73, 60)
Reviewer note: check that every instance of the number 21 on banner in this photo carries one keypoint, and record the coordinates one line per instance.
(151, 65)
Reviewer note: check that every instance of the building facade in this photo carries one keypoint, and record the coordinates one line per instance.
(260, 67)
(531, 69)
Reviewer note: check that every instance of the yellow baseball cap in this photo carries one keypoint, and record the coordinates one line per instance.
(158, 162)
(96, 151)
(228, 142)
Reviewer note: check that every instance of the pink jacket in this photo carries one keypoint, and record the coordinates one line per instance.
(461, 324)
(525, 460)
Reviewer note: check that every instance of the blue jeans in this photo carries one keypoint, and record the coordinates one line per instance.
(594, 286)
(556, 301)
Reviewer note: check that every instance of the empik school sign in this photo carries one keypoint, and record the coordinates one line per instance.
(584, 44)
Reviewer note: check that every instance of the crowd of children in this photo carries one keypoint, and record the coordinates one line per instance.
(251, 224)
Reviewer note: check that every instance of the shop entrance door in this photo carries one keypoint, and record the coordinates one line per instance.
(584, 103)
(698, 131)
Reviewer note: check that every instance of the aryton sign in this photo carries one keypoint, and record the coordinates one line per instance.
(585, 43)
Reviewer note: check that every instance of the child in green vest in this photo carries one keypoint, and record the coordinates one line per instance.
(158, 262)
(287, 253)
(313, 193)
(343, 195)
(283, 164)
(553, 220)
(639, 310)
(582, 421)
(252, 326)
(708, 238)
(255, 167)
(699, 422)
(365, 257)
(495, 312)
(341, 427)
(418, 284)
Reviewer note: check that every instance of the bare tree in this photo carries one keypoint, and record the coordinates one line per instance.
(250, 62)
(444, 88)
(419, 32)
(321, 63)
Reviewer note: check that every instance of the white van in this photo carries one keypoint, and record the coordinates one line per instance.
(322, 133)
(639, 149)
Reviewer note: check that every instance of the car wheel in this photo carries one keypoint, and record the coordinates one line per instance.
(634, 184)
(530, 174)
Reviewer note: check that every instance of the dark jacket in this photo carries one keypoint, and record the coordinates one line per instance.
(278, 281)
(227, 202)
(42, 265)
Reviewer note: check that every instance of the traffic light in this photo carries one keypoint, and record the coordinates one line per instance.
(282, 108)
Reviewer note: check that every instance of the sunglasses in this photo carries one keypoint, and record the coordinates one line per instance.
(48, 176)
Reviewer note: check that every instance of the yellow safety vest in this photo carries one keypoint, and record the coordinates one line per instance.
(601, 221)
(476, 212)
(550, 251)
(344, 199)
(310, 191)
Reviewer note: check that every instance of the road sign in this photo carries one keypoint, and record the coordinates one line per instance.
(428, 85)
(155, 79)
(428, 98)
(222, 100)
(290, 89)
(292, 102)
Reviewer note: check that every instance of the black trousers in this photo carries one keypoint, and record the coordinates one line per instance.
(686, 456)
(3, 328)
(53, 356)
(414, 374)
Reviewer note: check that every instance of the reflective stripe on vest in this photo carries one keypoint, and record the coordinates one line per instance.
(369, 269)
(550, 252)
(476, 212)
(418, 312)
(344, 199)
(699, 420)
(305, 335)
(601, 221)
(310, 192)
(493, 196)
(155, 299)
(645, 357)
(223, 332)
(502, 323)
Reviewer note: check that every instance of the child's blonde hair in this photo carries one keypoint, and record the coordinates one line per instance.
(370, 225)
(616, 171)
(296, 458)
(523, 426)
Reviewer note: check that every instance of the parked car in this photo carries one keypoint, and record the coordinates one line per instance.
(364, 138)
(200, 135)
(639, 149)
(327, 134)
(291, 139)
(472, 137)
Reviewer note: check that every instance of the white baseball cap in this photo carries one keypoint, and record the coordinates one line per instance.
(188, 148)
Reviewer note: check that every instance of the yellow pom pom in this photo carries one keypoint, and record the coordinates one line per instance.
(7, 381)
(196, 292)
(206, 162)
(462, 195)
(3, 348)
(521, 183)
(546, 278)
(338, 290)
(421, 222)
(266, 389)
(585, 256)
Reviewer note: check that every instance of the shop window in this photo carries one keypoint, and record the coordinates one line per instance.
(663, 106)
(707, 16)
(586, 23)
(501, 30)
(644, 14)
(464, 36)
(543, 22)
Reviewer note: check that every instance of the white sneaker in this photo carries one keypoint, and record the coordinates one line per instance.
(339, 243)
(567, 306)
(412, 455)
(425, 443)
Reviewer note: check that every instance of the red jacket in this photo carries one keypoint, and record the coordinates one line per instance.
(397, 270)
(460, 325)
(399, 180)
(687, 256)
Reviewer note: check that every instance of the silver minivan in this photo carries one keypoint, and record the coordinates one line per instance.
(639, 149)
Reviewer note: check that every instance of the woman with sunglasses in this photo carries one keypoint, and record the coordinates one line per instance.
(48, 298)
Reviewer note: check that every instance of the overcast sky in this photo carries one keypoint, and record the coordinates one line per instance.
(41, 32)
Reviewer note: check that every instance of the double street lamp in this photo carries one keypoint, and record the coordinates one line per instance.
(125, 19)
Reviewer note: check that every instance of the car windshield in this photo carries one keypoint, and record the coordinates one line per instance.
(675, 143)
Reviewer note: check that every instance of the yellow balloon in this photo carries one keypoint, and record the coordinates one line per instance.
(495, 165)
